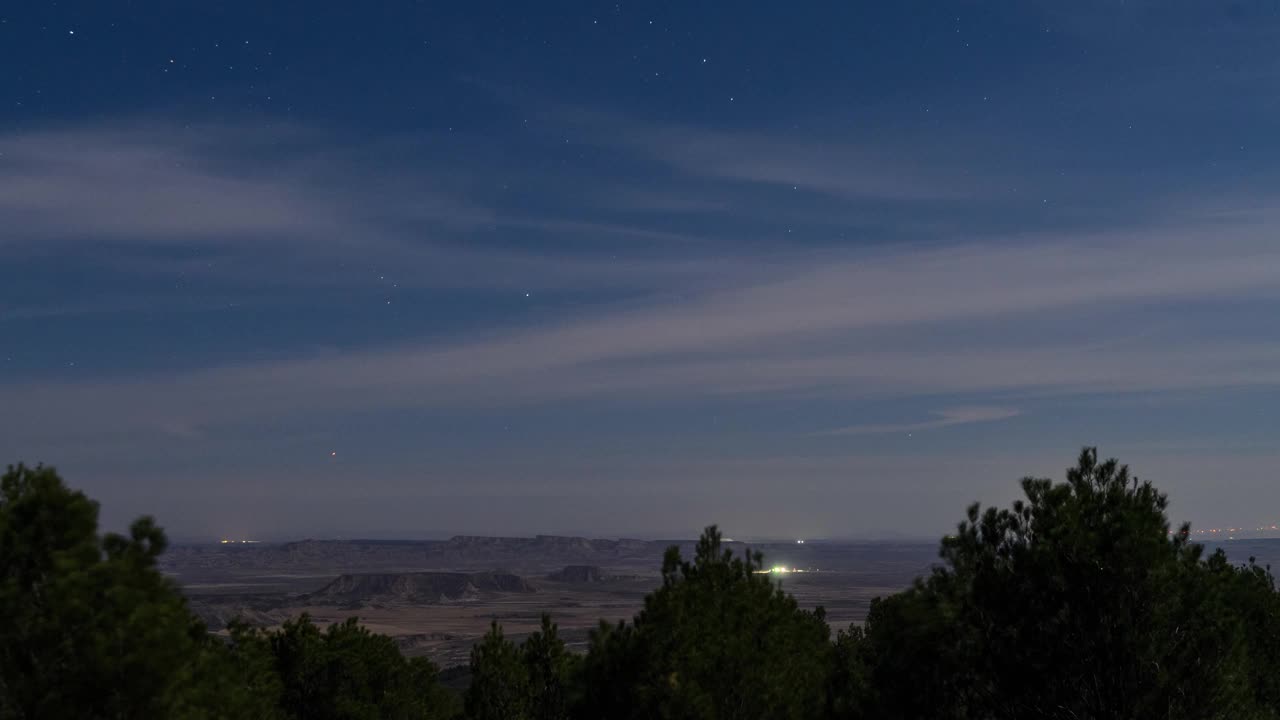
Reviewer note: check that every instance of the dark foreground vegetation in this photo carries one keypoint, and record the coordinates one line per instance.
(1077, 602)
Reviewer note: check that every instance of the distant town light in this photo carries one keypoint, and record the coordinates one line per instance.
(781, 570)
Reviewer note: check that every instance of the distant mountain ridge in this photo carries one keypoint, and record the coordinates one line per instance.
(417, 587)
(539, 554)
(535, 557)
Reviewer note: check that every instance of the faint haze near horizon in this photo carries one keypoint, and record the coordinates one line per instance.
(610, 270)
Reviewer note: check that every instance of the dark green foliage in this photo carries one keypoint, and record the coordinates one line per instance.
(499, 682)
(609, 672)
(718, 640)
(1075, 603)
(916, 656)
(1248, 594)
(848, 691)
(530, 681)
(237, 679)
(88, 627)
(342, 673)
(549, 669)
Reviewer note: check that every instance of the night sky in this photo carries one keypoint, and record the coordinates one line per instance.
(824, 269)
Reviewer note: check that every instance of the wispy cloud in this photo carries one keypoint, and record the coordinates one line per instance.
(834, 167)
(288, 207)
(701, 318)
(889, 169)
(827, 322)
(942, 419)
(164, 184)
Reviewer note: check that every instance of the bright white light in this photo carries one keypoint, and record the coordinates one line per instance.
(779, 570)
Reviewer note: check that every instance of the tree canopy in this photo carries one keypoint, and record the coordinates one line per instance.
(717, 640)
(344, 672)
(1078, 601)
(529, 681)
(89, 628)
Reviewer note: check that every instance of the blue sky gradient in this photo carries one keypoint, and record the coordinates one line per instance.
(282, 269)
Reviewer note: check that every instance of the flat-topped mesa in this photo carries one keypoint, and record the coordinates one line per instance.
(536, 540)
(418, 587)
(539, 554)
(578, 574)
(545, 544)
(557, 542)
